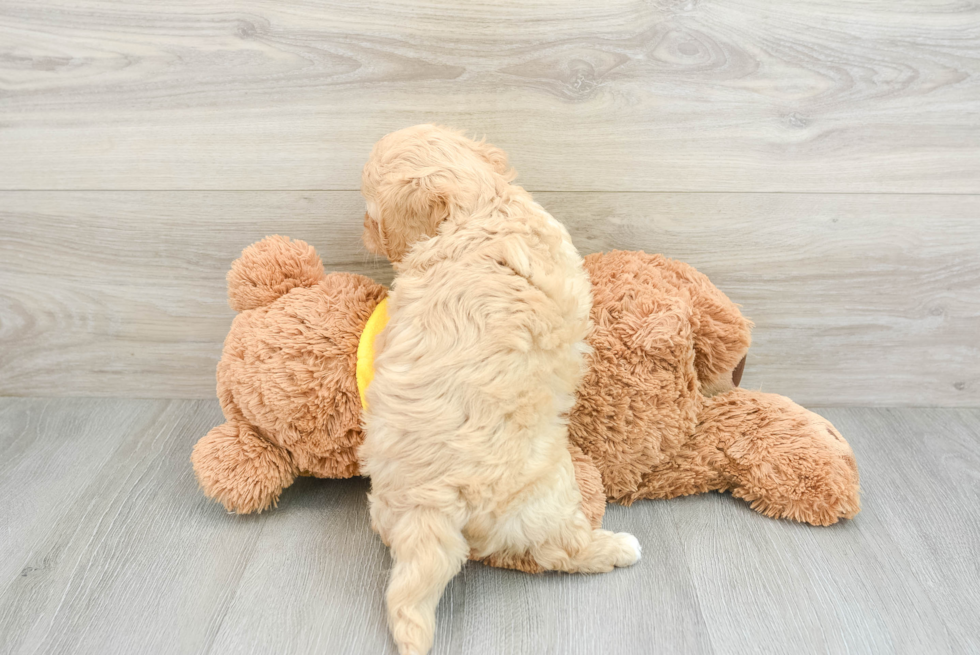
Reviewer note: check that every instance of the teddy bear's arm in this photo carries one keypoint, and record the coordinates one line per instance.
(240, 469)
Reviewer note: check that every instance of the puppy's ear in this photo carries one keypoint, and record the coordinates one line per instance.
(411, 207)
(496, 158)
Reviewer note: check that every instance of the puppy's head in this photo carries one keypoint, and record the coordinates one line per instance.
(418, 177)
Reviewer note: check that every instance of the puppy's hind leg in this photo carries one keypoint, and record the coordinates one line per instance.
(577, 548)
(428, 549)
(563, 539)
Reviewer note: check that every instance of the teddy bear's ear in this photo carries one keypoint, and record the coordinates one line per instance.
(411, 207)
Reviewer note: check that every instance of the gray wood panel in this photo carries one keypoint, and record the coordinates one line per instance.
(124, 559)
(822, 95)
(928, 465)
(858, 299)
(870, 585)
(109, 547)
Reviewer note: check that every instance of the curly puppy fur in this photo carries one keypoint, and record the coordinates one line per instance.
(476, 372)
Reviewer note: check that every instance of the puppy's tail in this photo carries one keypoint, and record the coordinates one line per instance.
(269, 268)
(428, 550)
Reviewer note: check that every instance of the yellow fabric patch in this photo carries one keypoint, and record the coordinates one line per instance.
(365, 349)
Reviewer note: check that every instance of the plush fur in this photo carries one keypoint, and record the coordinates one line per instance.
(664, 339)
(655, 416)
(294, 358)
(286, 379)
(467, 417)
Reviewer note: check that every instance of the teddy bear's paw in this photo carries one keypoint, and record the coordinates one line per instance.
(820, 508)
(240, 469)
(814, 479)
(785, 460)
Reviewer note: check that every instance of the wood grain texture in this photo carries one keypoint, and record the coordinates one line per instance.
(857, 299)
(109, 547)
(122, 560)
(670, 95)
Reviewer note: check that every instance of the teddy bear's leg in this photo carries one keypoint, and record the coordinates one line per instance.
(785, 460)
(240, 469)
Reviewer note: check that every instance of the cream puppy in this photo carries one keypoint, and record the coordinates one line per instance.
(466, 435)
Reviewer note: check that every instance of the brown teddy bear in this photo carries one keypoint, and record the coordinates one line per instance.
(658, 415)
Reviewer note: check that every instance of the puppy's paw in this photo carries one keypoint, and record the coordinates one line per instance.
(630, 549)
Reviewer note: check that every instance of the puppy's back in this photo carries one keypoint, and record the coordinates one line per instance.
(483, 350)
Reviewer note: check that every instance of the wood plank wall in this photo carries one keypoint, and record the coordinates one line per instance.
(820, 160)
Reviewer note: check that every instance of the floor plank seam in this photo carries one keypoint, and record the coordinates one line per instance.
(694, 585)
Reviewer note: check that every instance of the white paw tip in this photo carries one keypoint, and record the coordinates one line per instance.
(635, 543)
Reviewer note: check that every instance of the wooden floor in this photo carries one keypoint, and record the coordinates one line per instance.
(107, 546)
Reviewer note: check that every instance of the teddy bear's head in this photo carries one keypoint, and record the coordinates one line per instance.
(286, 379)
